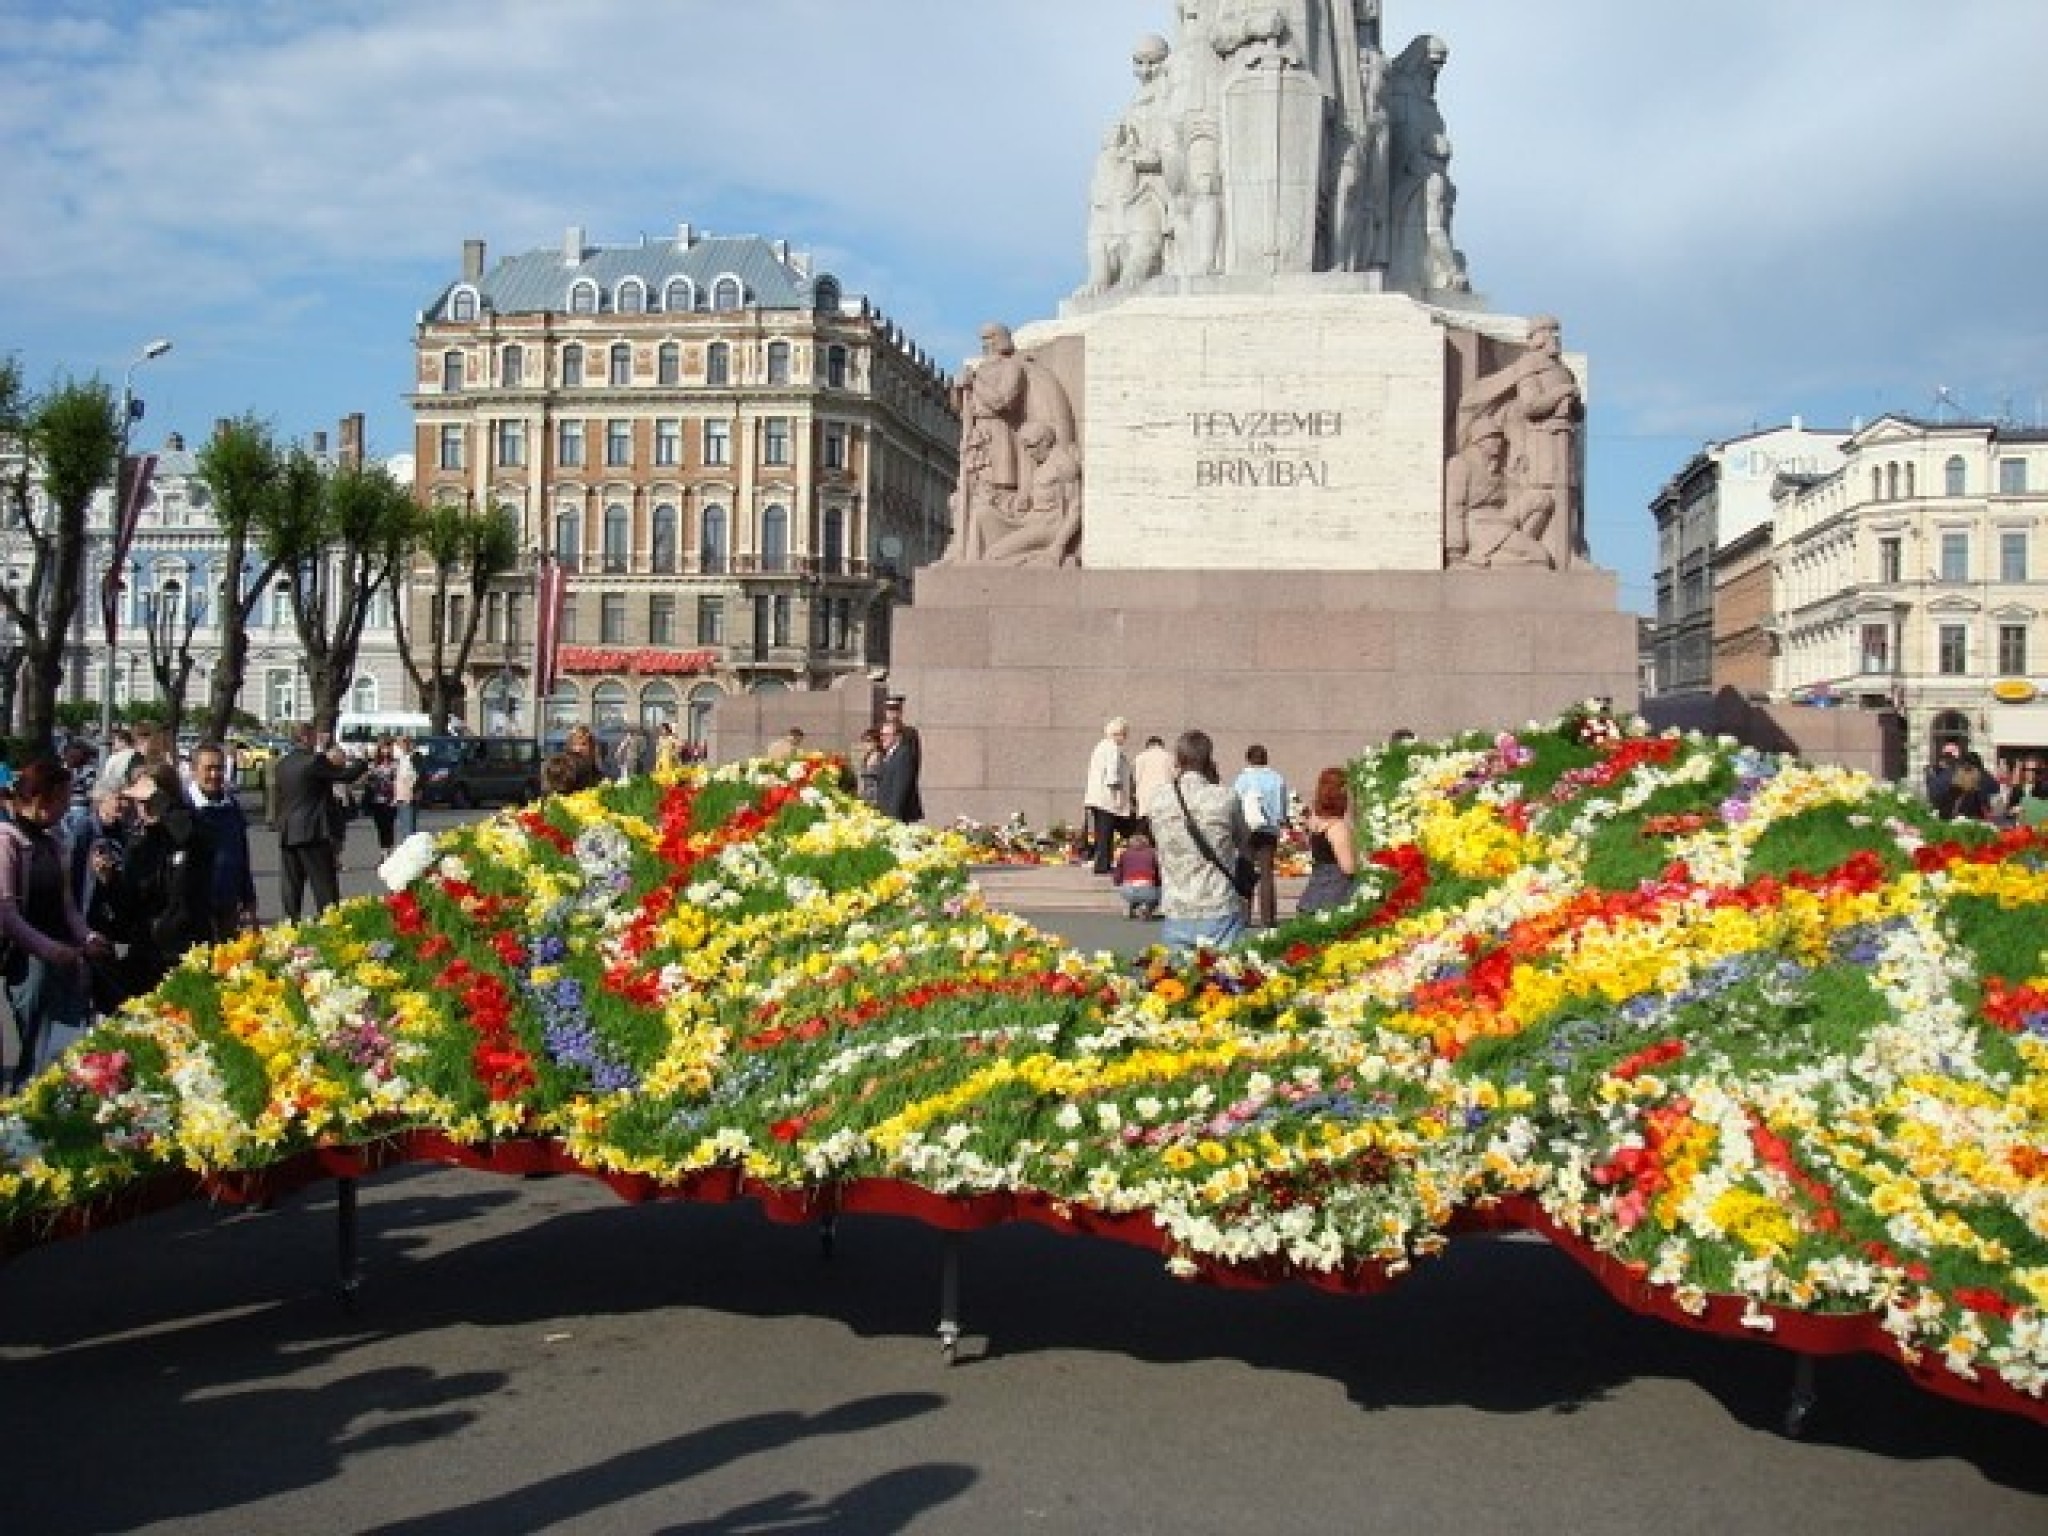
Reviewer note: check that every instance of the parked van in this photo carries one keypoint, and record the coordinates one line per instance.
(477, 770)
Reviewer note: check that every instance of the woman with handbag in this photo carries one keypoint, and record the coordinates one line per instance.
(45, 940)
(1199, 827)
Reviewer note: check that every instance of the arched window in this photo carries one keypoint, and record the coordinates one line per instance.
(679, 295)
(618, 536)
(1955, 478)
(657, 705)
(511, 367)
(711, 546)
(462, 304)
(665, 524)
(703, 699)
(583, 296)
(451, 373)
(1950, 727)
(362, 696)
(568, 536)
(718, 363)
(572, 366)
(630, 297)
(669, 364)
(608, 705)
(619, 371)
(564, 709)
(778, 362)
(826, 295)
(775, 538)
(728, 293)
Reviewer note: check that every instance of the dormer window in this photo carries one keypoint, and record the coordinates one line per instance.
(630, 297)
(462, 305)
(583, 296)
(728, 293)
(679, 295)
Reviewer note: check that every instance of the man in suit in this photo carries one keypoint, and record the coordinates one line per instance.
(309, 820)
(896, 789)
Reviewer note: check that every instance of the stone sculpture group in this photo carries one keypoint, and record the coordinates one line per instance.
(1276, 139)
(1274, 151)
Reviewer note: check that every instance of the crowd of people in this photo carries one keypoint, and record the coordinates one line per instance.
(1182, 846)
(2011, 792)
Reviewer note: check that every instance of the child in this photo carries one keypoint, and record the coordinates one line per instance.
(1136, 873)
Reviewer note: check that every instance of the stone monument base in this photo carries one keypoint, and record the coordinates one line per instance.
(1010, 674)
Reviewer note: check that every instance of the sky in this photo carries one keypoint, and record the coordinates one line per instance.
(1742, 211)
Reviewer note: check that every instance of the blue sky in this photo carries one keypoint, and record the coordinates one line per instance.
(1743, 211)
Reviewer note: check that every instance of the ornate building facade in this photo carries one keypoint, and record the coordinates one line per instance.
(737, 466)
(1914, 577)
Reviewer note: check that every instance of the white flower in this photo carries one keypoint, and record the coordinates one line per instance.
(408, 861)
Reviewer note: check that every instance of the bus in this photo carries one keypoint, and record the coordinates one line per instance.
(358, 733)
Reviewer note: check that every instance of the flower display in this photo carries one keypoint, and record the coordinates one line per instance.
(1758, 1041)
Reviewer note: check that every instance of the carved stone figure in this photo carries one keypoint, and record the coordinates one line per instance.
(1129, 203)
(1534, 409)
(1423, 257)
(1274, 136)
(1491, 522)
(1001, 395)
(1041, 526)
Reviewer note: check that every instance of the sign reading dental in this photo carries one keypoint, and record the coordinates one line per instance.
(1283, 449)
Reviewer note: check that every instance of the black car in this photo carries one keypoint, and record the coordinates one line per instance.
(477, 770)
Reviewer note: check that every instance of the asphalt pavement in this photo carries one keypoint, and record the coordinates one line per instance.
(533, 1355)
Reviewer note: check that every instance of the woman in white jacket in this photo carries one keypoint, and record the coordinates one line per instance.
(1107, 799)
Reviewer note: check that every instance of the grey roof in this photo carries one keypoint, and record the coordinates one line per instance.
(538, 282)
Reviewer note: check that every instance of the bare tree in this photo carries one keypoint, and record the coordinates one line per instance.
(335, 534)
(468, 550)
(242, 467)
(70, 442)
(169, 628)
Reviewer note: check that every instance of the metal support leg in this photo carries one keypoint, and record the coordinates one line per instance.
(1805, 1396)
(351, 1268)
(949, 1297)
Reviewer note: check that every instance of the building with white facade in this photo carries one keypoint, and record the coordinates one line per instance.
(174, 572)
(1913, 577)
(738, 465)
(1723, 493)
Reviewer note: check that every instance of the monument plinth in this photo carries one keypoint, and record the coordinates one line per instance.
(1275, 470)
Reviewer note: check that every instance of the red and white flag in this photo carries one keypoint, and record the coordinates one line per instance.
(132, 480)
(550, 590)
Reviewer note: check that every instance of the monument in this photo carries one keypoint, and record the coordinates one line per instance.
(1275, 469)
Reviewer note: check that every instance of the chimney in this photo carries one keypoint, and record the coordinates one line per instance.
(472, 261)
(685, 237)
(572, 246)
(1798, 423)
(782, 252)
(352, 440)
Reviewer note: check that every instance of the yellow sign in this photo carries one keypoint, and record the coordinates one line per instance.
(2013, 690)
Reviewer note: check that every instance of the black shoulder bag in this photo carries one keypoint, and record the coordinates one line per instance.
(1244, 879)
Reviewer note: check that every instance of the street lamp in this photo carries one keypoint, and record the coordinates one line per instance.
(131, 408)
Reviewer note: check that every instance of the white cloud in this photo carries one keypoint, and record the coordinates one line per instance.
(1741, 210)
